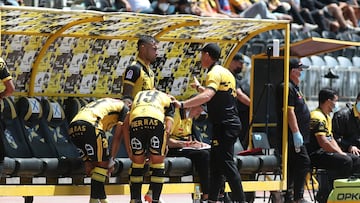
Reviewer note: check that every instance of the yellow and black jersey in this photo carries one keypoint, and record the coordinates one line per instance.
(320, 125)
(153, 104)
(4, 72)
(103, 113)
(222, 81)
(140, 76)
(181, 128)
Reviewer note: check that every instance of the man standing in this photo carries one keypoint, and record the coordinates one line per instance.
(346, 127)
(87, 132)
(323, 149)
(298, 116)
(243, 103)
(139, 76)
(219, 93)
(146, 130)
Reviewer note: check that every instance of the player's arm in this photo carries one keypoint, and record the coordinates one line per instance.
(242, 97)
(126, 135)
(131, 74)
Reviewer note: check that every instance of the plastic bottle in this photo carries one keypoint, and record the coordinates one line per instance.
(197, 195)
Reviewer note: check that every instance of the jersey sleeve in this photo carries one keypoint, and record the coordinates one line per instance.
(131, 74)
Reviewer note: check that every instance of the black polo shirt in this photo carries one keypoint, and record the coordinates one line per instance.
(297, 101)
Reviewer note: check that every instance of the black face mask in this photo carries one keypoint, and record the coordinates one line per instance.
(238, 70)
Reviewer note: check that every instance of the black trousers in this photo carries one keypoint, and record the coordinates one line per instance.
(336, 165)
(200, 159)
(222, 162)
(298, 166)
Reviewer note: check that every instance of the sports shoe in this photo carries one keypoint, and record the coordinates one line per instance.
(148, 197)
(302, 201)
(308, 27)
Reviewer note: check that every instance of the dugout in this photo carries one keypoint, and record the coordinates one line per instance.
(59, 54)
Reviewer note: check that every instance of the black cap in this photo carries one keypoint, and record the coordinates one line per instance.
(213, 49)
(296, 63)
(239, 57)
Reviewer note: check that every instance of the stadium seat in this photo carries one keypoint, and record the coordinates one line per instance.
(72, 105)
(57, 127)
(19, 161)
(31, 117)
(352, 75)
(356, 61)
(13, 137)
(316, 73)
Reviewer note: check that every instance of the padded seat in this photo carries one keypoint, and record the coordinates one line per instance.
(56, 127)
(28, 167)
(9, 166)
(72, 106)
(178, 166)
(30, 113)
(124, 166)
(71, 167)
(269, 163)
(12, 132)
(51, 167)
(248, 164)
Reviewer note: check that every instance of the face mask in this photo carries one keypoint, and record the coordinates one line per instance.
(163, 6)
(336, 107)
(302, 76)
(187, 10)
(358, 106)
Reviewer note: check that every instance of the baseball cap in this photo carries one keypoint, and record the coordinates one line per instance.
(239, 57)
(213, 49)
(296, 63)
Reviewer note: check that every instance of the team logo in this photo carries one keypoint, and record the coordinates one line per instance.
(129, 74)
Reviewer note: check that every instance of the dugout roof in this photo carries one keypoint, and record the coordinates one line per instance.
(48, 47)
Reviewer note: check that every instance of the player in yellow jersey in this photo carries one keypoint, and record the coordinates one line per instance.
(149, 122)
(139, 76)
(182, 143)
(87, 132)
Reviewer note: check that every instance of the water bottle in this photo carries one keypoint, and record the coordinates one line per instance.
(197, 195)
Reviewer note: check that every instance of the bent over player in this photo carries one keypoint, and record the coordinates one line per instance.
(149, 121)
(87, 132)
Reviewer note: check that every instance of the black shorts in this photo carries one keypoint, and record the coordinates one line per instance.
(147, 136)
(91, 142)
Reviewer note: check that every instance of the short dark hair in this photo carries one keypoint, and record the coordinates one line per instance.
(146, 39)
(325, 94)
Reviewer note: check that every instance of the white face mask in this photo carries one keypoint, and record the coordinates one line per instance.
(163, 6)
(358, 106)
(302, 76)
(336, 107)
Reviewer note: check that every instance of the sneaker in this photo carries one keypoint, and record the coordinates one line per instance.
(302, 201)
(350, 28)
(308, 27)
(295, 26)
(148, 197)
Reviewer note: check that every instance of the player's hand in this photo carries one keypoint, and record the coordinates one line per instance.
(354, 150)
(195, 84)
(111, 166)
(177, 103)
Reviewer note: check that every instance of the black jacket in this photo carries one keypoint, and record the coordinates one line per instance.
(346, 128)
